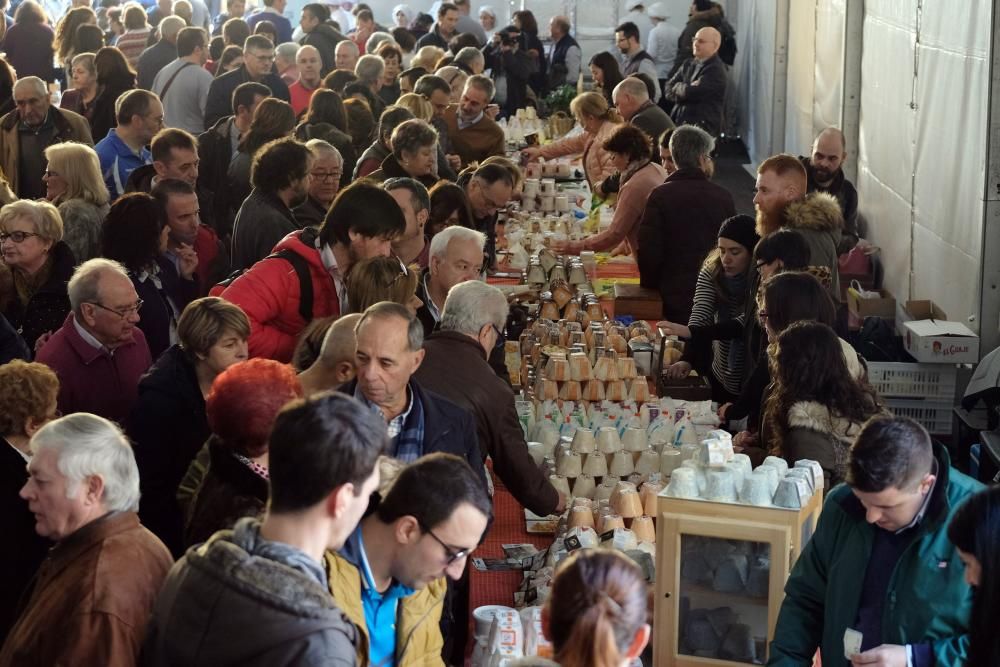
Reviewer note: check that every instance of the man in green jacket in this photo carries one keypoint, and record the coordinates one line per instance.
(880, 563)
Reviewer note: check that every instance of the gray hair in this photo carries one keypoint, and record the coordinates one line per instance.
(83, 287)
(468, 55)
(320, 149)
(287, 51)
(349, 45)
(483, 83)
(87, 445)
(40, 88)
(387, 309)
(441, 240)
(170, 26)
(376, 39)
(688, 144)
(632, 86)
(471, 305)
(369, 69)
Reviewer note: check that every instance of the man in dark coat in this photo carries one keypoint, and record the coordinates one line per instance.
(258, 57)
(389, 352)
(681, 223)
(698, 89)
(159, 55)
(825, 169)
(455, 366)
(321, 33)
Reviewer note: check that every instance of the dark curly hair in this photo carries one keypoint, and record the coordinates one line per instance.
(807, 364)
(131, 232)
(630, 141)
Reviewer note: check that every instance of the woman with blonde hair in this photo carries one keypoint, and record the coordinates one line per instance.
(417, 105)
(74, 184)
(36, 268)
(599, 121)
(596, 614)
(65, 41)
(427, 57)
(382, 279)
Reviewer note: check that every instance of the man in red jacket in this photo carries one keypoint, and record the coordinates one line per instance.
(362, 223)
(99, 353)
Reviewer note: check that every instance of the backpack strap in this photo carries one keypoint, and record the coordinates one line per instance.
(301, 268)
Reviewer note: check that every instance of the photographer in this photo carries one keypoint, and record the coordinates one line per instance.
(510, 68)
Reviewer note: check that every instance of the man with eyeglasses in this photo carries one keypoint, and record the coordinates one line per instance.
(27, 131)
(327, 168)
(455, 365)
(390, 578)
(123, 150)
(258, 62)
(456, 255)
(99, 353)
(489, 189)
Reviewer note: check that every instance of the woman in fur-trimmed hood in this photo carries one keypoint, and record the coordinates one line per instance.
(817, 406)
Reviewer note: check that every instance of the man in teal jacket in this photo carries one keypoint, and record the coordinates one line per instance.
(880, 562)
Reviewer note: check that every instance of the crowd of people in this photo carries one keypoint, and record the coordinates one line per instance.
(252, 373)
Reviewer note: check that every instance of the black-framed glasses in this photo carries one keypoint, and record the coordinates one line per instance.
(325, 176)
(451, 553)
(17, 237)
(122, 313)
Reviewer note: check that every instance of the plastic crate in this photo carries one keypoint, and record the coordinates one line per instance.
(918, 381)
(934, 415)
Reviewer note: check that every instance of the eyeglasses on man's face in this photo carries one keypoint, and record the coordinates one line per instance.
(120, 312)
(450, 553)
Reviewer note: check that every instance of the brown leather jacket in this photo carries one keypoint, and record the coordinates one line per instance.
(92, 597)
(455, 366)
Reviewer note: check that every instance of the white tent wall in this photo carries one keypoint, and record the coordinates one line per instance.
(922, 137)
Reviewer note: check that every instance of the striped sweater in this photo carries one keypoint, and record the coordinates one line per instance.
(705, 312)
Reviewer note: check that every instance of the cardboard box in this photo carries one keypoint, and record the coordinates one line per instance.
(884, 306)
(930, 338)
(919, 309)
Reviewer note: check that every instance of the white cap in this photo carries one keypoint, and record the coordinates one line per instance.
(632, 4)
(658, 10)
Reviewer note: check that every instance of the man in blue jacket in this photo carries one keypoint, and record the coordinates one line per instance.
(880, 563)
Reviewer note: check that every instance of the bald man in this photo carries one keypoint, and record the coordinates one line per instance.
(698, 89)
(826, 174)
(631, 98)
(335, 364)
(309, 63)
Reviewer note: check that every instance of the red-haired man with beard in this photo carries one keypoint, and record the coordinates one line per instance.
(781, 201)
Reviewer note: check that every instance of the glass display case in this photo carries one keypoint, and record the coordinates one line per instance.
(721, 571)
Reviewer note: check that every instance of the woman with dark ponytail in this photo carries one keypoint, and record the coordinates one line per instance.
(975, 532)
(596, 615)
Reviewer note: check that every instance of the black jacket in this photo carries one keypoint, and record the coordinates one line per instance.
(229, 491)
(325, 38)
(156, 312)
(447, 427)
(433, 38)
(47, 309)
(654, 121)
(215, 151)
(12, 346)
(263, 220)
(167, 427)
(455, 366)
(152, 60)
(220, 93)
(103, 118)
(678, 228)
(26, 549)
(310, 213)
(517, 67)
(704, 94)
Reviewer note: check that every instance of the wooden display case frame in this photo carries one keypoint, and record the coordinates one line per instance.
(786, 531)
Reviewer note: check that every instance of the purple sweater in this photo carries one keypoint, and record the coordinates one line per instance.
(89, 379)
(29, 50)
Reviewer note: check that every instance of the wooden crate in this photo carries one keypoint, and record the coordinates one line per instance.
(639, 302)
